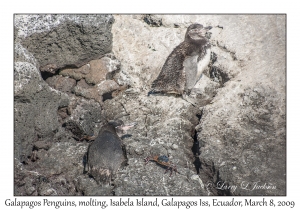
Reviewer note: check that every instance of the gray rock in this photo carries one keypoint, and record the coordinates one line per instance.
(42, 145)
(21, 54)
(57, 41)
(35, 109)
(152, 20)
(89, 187)
(86, 118)
(244, 138)
(242, 132)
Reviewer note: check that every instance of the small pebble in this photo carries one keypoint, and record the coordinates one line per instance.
(30, 190)
(174, 146)
(195, 177)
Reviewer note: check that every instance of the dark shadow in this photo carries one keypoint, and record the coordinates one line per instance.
(126, 136)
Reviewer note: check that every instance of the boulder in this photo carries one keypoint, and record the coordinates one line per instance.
(58, 41)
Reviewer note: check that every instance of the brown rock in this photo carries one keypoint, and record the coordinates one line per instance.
(107, 86)
(82, 83)
(51, 68)
(95, 92)
(95, 71)
(87, 91)
(76, 73)
(98, 71)
(64, 84)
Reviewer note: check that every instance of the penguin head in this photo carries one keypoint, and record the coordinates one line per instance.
(120, 127)
(196, 33)
(115, 123)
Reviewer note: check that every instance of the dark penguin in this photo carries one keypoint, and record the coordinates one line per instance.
(106, 154)
(184, 66)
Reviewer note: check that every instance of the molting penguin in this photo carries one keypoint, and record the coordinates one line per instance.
(106, 154)
(184, 66)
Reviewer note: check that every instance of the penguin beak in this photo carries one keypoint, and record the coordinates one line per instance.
(126, 127)
(122, 129)
(204, 31)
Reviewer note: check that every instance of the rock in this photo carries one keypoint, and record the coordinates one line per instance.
(35, 108)
(61, 83)
(30, 190)
(58, 41)
(107, 86)
(98, 72)
(253, 101)
(174, 146)
(228, 133)
(95, 79)
(87, 91)
(100, 68)
(95, 71)
(21, 54)
(86, 117)
(203, 92)
(89, 187)
(63, 113)
(76, 73)
(42, 145)
(99, 92)
(152, 20)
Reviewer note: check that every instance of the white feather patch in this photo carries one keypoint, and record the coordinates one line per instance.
(203, 64)
(193, 69)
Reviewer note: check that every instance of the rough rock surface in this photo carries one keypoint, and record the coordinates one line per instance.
(48, 122)
(245, 116)
(95, 71)
(232, 134)
(63, 84)
(243, 132)
(35, 114)
(94, 79)
(58, 41)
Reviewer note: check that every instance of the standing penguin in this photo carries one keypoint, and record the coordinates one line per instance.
(106, 154)
(184, 66)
